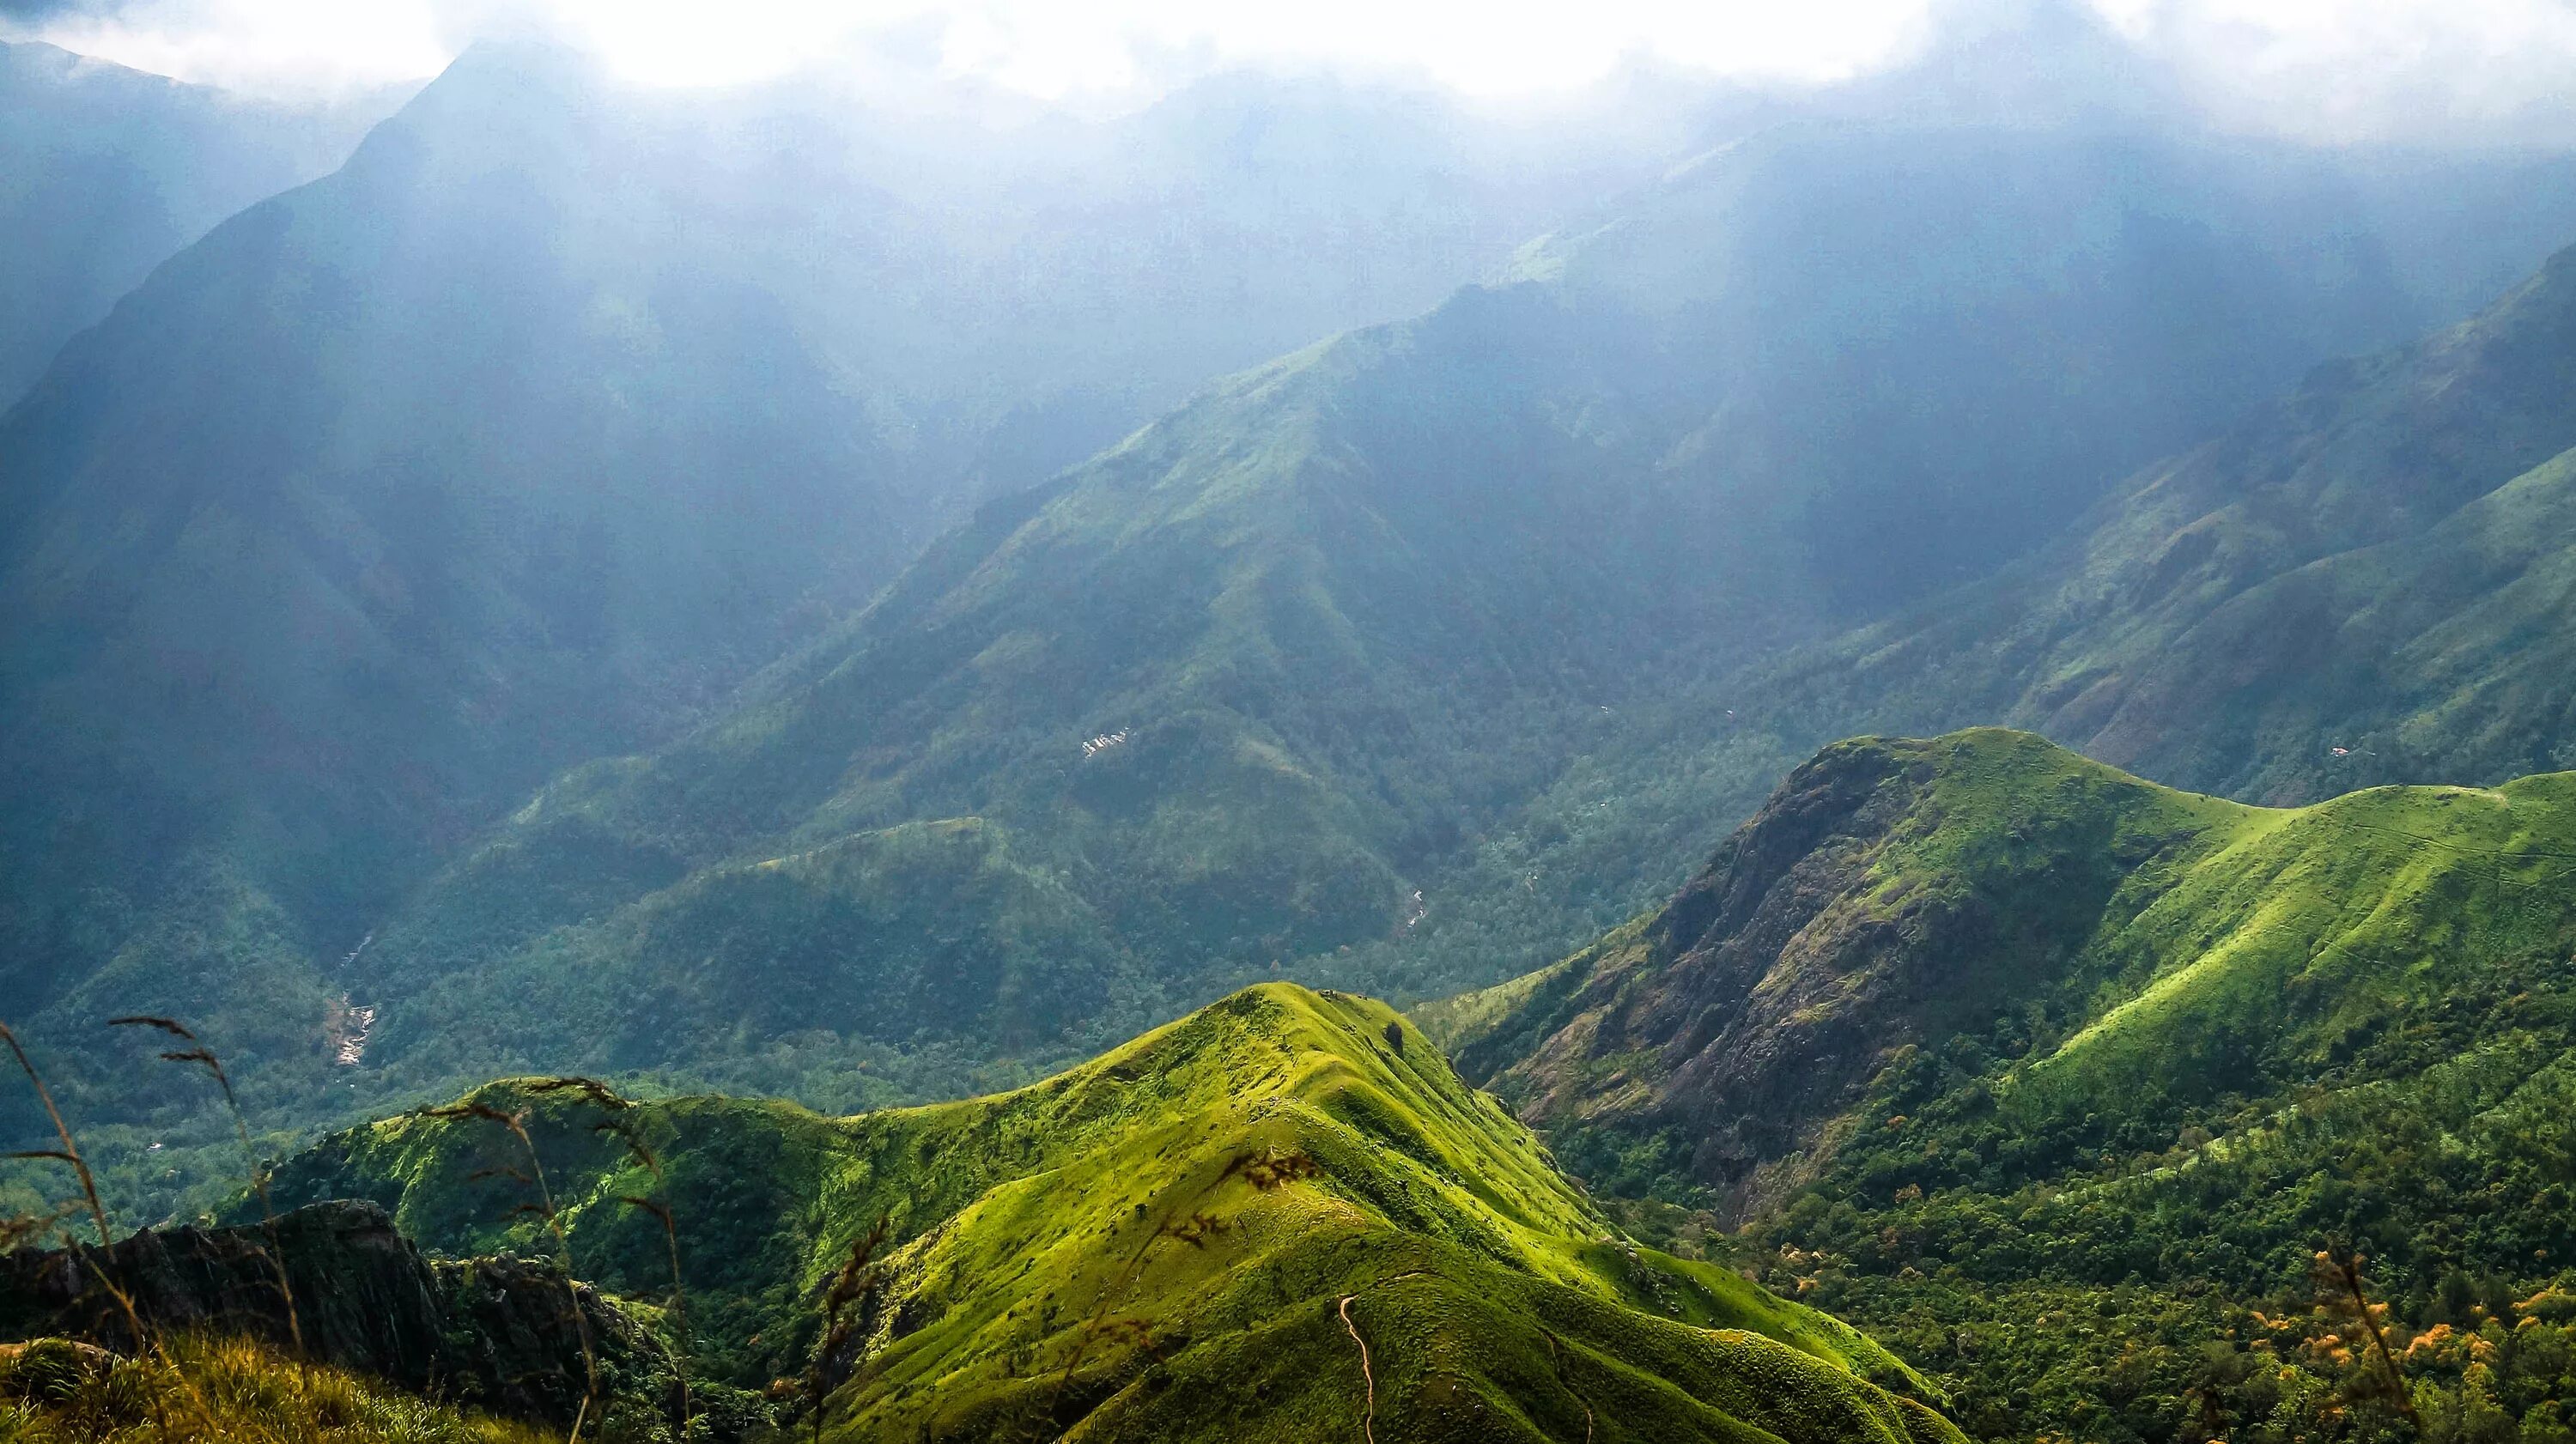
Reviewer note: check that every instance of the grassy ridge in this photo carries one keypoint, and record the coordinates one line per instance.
(2224, 1039)
(1187, 1238)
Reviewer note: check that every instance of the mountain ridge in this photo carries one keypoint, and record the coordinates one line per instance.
(1962, 1029)
(1193, 1235)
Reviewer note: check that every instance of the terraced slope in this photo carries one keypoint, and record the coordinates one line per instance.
(1282, 1216)
(1973, 1030)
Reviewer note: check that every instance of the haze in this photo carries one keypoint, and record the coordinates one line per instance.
(2450, 71)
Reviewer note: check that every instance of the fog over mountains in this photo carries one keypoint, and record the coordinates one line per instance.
(561, 408)
(874, 595)
(112, 170)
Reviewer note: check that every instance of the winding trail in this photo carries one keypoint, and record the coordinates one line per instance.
(1368, 1421)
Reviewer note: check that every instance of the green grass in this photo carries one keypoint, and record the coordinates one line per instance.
(210, 1391)
(2119, 1049)
(1159, 1245)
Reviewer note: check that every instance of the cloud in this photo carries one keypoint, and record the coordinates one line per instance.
(2435, 70)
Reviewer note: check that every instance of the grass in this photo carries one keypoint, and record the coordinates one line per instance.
(2096, 1046)
(1183, 1239)
(228, 1391)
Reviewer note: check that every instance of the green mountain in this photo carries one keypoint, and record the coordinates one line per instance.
(2376, 562)
(1223, 701)
(557, 411)
(1282, 1214)
(2363, 582)
(1974, 1034)
(392, 495)
(112, 171)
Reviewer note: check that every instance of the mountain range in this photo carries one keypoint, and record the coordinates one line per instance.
(1957, 1033)
(1947, 718)
(112, 171)
(1293, 670)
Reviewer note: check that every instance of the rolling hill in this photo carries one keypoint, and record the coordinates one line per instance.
(1969, 1032)
(2363, 582)
(1280, 1215)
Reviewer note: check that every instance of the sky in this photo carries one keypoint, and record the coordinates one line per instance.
(2350, 68)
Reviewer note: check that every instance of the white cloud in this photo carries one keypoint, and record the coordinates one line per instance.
(2348, 69)
(1044, 47)
(2324, 68)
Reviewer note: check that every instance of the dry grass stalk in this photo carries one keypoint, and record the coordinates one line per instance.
(855, 1279)
(2340, 1269)
(544, 1207)
(204, 1057)
(644, 1157)
(70, 1153)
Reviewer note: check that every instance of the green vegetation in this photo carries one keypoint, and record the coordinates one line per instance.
(1200, 1234)
(2061, 1083)
(1444, 608)
(212, 1391)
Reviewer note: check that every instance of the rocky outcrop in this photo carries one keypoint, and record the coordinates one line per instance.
(1886, 897)
(499, 1333)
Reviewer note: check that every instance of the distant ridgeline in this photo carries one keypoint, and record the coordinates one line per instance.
(1447, 606)
(1403, 663)
(2080, 1091)
(1281, 1217)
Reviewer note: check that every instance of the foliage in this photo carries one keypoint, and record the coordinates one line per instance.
(2091, 1198)
(207, 1391)
(1157, 1244)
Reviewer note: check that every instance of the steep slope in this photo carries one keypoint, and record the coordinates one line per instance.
(112, 171)
(557, 411)
(2365, 582)
(1233, 693)
(1986, 1030)
(391, 496)
(2379, 561)
(1281, 1215)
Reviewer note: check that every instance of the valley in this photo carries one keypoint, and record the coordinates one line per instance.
(1270, 747)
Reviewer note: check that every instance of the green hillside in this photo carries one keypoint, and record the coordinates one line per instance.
(2379, 562)
(1973, 1033)
(1258, 692)
(2366, 582)
(1282, 1215)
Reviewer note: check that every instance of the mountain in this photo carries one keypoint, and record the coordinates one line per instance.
(1280, 1215)
(112, 171)
(557, 411)
(2376, 563)
(2360, 582)
(1225, 700)
(1974, 1031)
(390, 496)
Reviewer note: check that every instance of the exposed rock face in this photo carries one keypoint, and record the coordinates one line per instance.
(1740, 1021)
(494, 1333)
